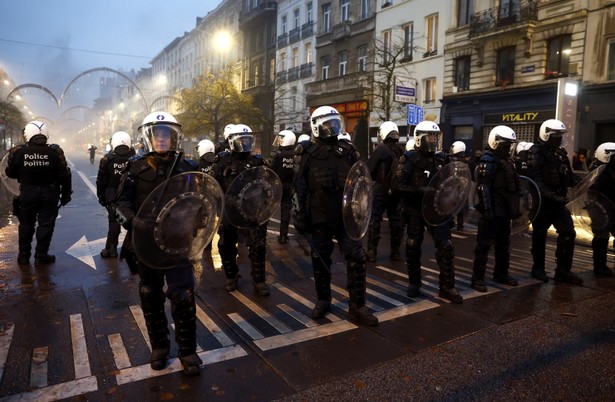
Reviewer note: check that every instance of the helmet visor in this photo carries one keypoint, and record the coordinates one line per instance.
(162, 137)
(329, 126)
(429, 141)
(242, 143)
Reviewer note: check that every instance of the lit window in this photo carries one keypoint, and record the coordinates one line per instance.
(558, 56)
(505, 68)
(429, 90)
(431, 25)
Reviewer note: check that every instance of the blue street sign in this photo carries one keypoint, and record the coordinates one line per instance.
(415, 114)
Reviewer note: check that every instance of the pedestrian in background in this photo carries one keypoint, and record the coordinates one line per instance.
(323, 166)
(498, 191)
(282, 163)
(110, 170)
(162, 160)
(44, 180)
(458, 154)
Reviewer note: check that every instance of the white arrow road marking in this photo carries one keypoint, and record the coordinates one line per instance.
(84, 250)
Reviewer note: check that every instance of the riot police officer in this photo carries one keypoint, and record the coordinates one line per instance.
(382, 164)
(162, 135)
(44, 179)
(416, 168)
(458, 154)
(319, 185)
(605, 183)
(549, 167)
(282, 163)
(206, 151)
(227, 166)
(498, 191)
(110, 170)
(223, 144)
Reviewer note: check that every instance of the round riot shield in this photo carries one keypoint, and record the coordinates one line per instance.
(177, 220)
(593, 211)
(447, 193)
(357, 200)
(11, 185)
(529, 205)
(253, 197)
(584, 184)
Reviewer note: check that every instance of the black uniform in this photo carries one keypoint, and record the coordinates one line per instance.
(206, 163)
(550, 168)
(226, 168)
(45, 180)
(143, 175)
(282, 163)
(319, 184)
(605, 183)
(498, 191)
(380, 163)
(110, 171)
(415, 170)
(460, 157)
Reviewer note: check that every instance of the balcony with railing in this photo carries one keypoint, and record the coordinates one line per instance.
(294, 35)
(495, 19)
(306, 70)
(281, 77)
(265, 9)
(340, 31)
(293, 73)
(307, 29)
(282, 40)
(345, 83)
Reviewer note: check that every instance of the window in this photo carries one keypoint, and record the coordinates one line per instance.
(365, 9)
(308, 52)
(558, 56)
(308, 12)
(282, 61)
(362, 59)
(343, 61)
(326, 18)
(462, 73)
(325, 62)
(431, 24)
(466, 9)
(610, 64)
(429, 90)
(283, 26)
(463, 133)
(272, 69)
(509, 9)
(345, 10)
(505, 68)
(295, 62)
(408, 40)
(296, 19)
(386, 46)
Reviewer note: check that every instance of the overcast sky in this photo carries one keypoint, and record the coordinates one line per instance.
(49, 42)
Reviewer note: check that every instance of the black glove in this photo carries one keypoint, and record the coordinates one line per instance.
(302, 225)
(65, 199)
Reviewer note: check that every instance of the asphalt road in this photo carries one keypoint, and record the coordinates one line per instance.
(74, 330)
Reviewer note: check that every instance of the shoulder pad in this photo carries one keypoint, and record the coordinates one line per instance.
(57, 149)
(16, 148)
(302, 147)
(136, 157)
(223, 154)
(192, 163)
(487, 157)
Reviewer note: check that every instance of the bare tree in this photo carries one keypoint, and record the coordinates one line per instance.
(12, 121)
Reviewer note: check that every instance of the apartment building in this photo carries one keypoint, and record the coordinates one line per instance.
(295, 67)
(504, 61)
(257, 23)
(411, 35)
(344, 41)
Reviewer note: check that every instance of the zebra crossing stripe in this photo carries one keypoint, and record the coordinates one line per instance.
(5, 342)
(122, 360)
(213, 327)
(302, 318)
(137, 314)
(56, 392)
(38, 367)
(302, 335)
(80, 349)
(330, 316)
(258, 310)
(245, 326)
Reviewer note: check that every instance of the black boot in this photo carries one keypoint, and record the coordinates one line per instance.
(444, 257)
(258, 278)
(372, 244)
(152, 304)
(322, 280)
(43, 259)
(183, 310)
(231, 271)
(600, 248)
(358, 313)
(110, 251)
(481, 253)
